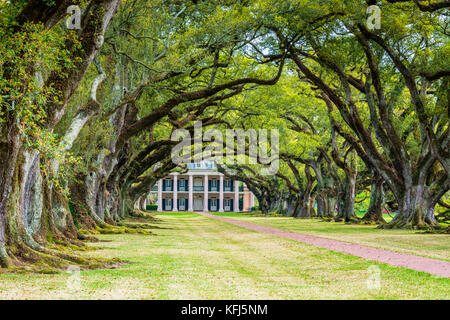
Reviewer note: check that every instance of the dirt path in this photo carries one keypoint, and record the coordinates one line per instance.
(433, 266)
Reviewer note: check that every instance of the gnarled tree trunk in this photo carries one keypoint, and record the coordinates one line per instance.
(377, 201)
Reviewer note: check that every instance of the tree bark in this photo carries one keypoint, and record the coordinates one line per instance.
(377, 201)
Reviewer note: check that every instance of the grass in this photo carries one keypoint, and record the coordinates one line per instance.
(415, 242)
(194, 257)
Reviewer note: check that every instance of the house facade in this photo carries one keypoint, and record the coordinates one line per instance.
(202, 188)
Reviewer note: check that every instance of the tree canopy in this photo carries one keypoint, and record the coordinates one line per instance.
(87, 115)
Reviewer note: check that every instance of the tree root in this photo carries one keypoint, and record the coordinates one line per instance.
(399, 223)
(105, 228)
(373, 218)
(86, 237)
(25, 259)
(122, 229)
(348, 220)
(143, 215)
(144, 226)
(5, 260)
(91, 224)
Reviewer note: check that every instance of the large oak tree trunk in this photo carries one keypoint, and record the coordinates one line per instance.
(292, 204)
(330, 207)
(31, 217)
(321, 206)
(412, 210)
(9, 150)
(267, 202)
(27, 216)
(307, 210)
(377, 201)
(347, 204)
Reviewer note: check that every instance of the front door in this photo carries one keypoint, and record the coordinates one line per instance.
(214, 204)
(182, 205)
(168, 204)
(227, 205)
(198, 204)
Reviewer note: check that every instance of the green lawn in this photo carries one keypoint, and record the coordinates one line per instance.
(194, 257)
(408, 241)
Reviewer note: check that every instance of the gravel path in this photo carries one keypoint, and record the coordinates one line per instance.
(433, 266)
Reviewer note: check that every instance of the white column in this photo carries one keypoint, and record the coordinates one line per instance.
(175, 193)
(221, 194)
(191, 196)
(160, 182)
(236, 196)
(205, 193)
(252, 200)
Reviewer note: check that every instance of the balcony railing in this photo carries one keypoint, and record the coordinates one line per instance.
(185, 188)
(201, 166)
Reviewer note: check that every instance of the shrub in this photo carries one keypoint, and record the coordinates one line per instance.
(152, 207)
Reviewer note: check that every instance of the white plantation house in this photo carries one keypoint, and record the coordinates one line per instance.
(202, 188)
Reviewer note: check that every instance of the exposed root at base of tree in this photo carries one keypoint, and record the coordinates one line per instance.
(54, 259)
(109, 229)
(143, 216)
(57, 253)
(326, 219)
(139, 226)
(373, 218)
(88, 226)
(133, 225)
(410, 224)
(349, 220)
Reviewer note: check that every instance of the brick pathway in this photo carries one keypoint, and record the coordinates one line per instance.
(433, 266)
